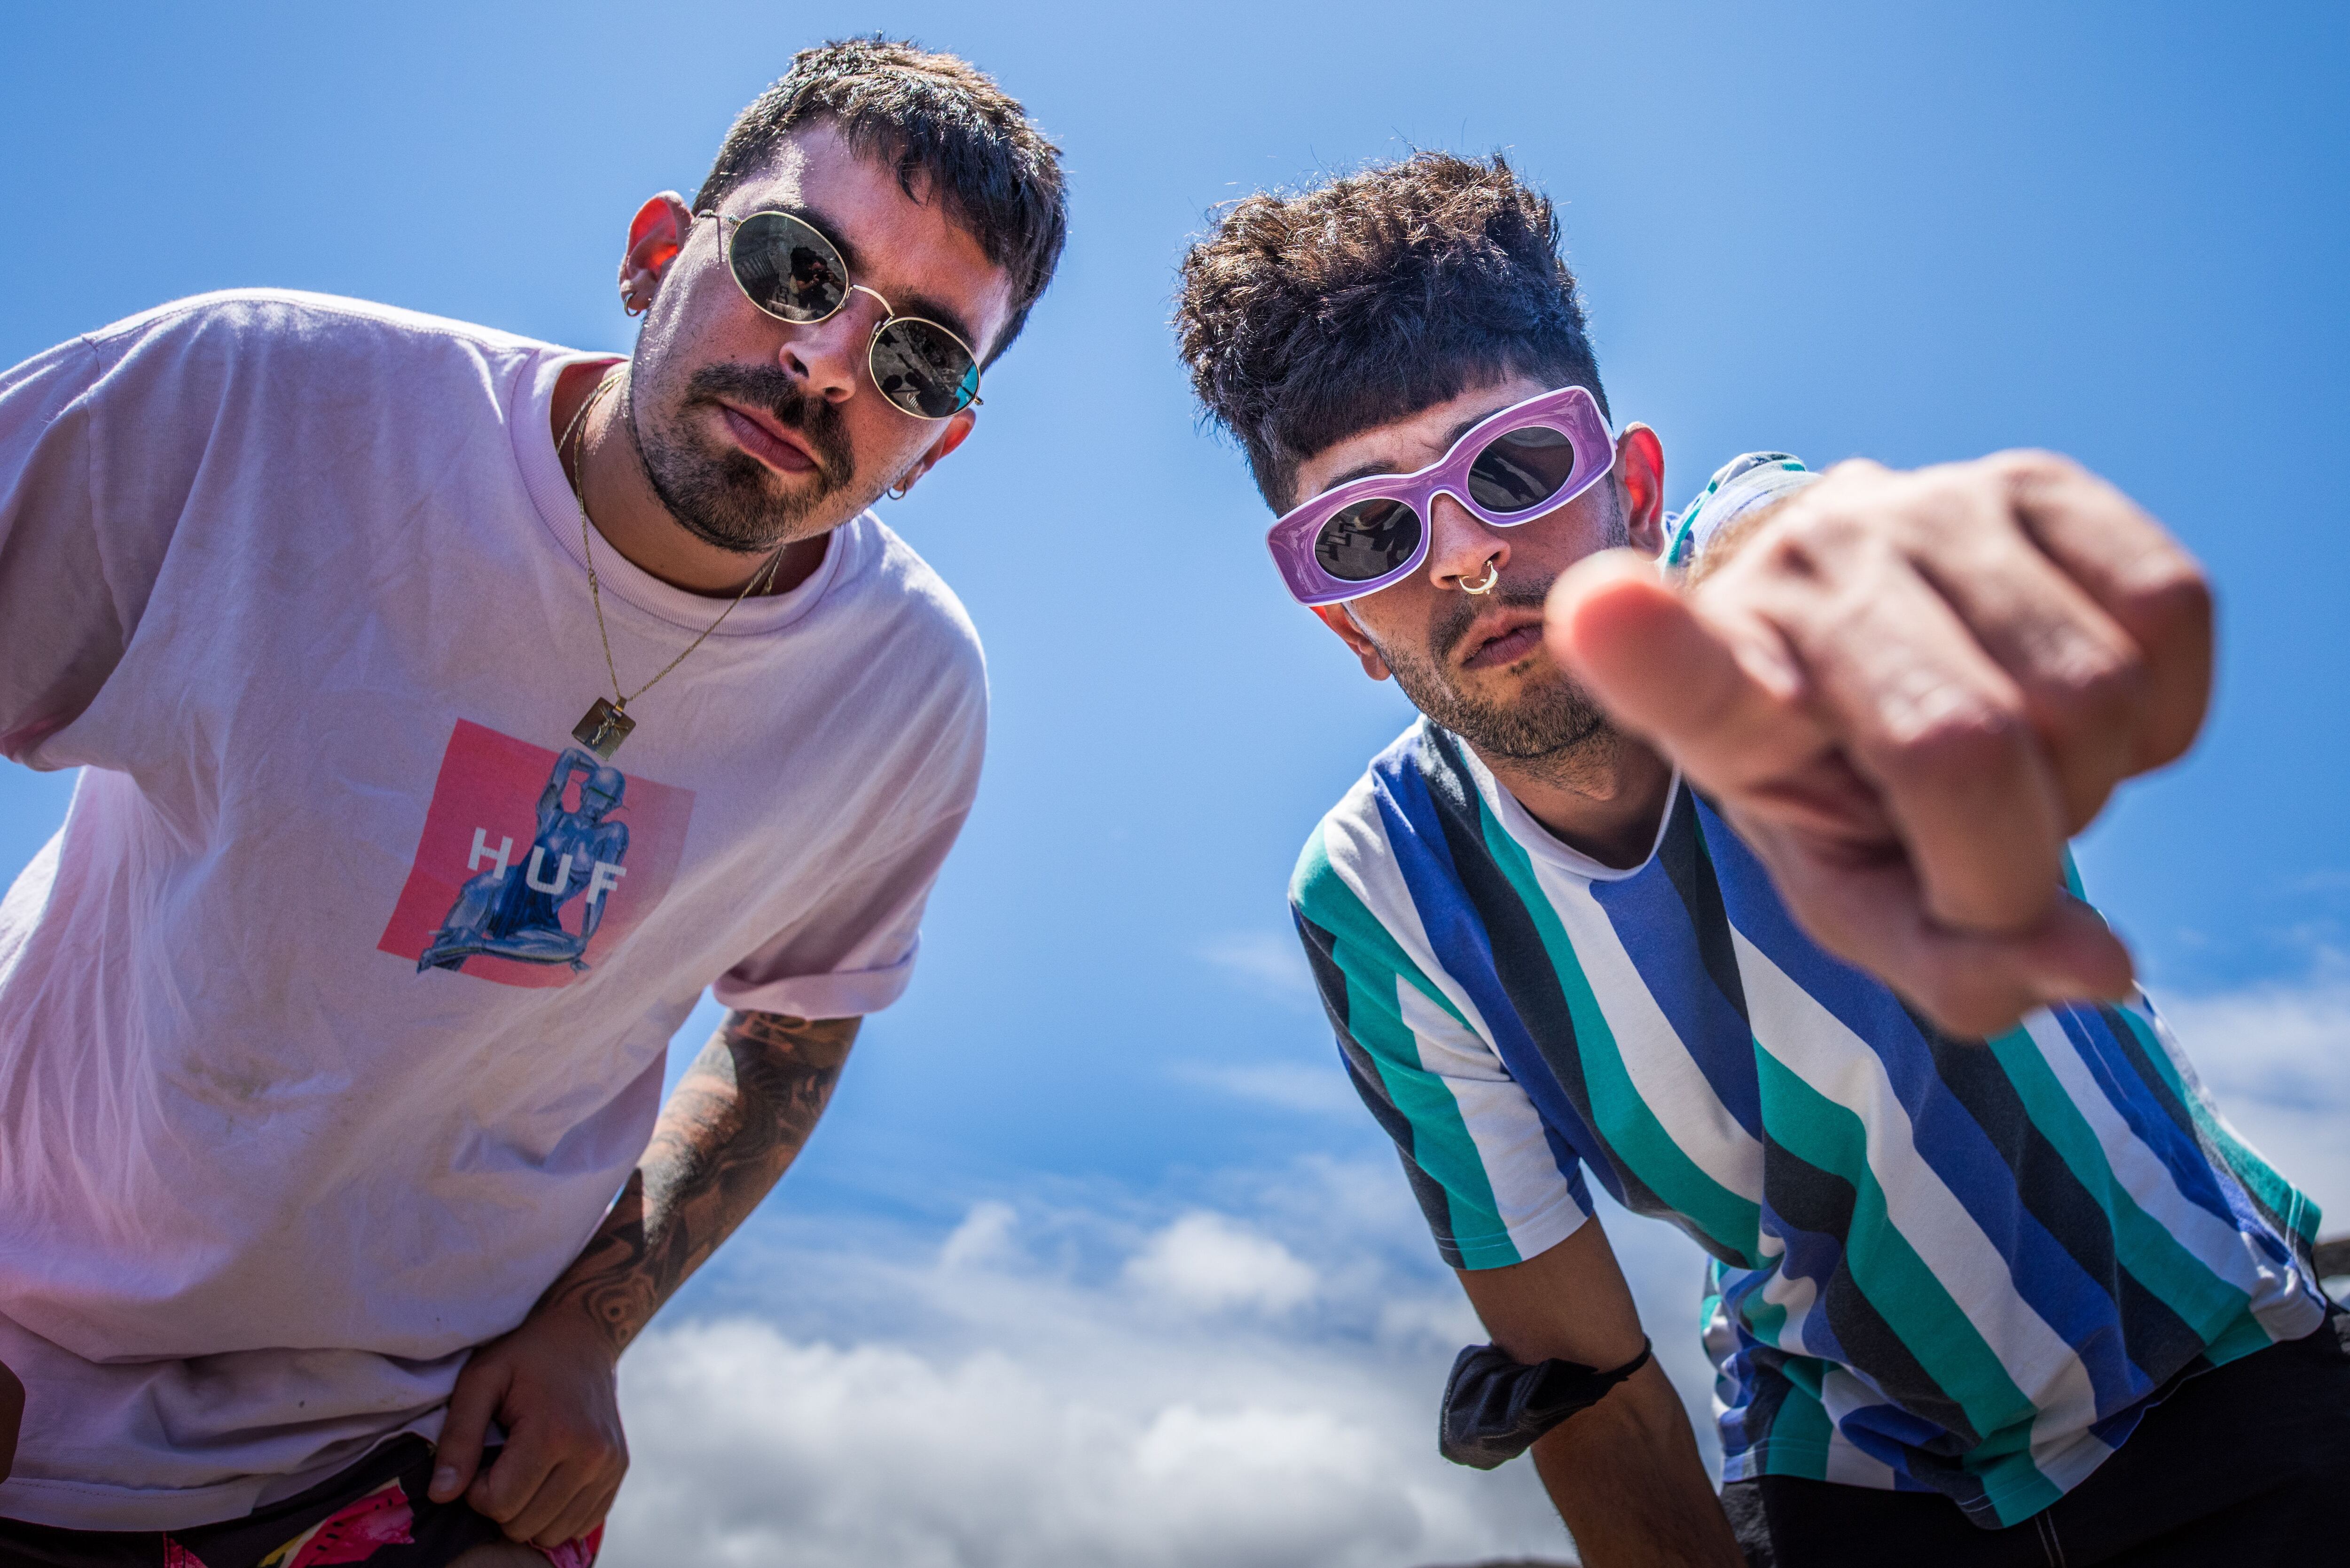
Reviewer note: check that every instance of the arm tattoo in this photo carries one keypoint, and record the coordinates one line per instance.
(737, 1120)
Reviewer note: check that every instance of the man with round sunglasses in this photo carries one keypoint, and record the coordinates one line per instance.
(1727, 865)
(452, 710)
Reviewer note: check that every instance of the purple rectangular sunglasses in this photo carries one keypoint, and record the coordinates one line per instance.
(1521, 463)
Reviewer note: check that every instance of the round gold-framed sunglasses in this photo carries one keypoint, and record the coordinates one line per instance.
(787, 267)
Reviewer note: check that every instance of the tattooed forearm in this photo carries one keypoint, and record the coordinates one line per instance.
(735, 1123)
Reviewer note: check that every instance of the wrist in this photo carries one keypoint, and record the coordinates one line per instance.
(598, 1322)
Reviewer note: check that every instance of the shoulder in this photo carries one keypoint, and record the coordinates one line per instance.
(275, 332)
(926, 622)
(1747, 480)
(919, 663)
(1350, 851)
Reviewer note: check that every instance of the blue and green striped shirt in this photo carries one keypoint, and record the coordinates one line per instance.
(1951, 1264)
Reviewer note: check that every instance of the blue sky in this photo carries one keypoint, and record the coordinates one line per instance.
(1912, 232)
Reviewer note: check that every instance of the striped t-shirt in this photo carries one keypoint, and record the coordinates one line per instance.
(1956, 1264)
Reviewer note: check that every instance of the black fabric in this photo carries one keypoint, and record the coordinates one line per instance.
(2248, 1463)
(1494, 1407)
(439, 1532)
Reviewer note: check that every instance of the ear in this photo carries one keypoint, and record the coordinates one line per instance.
(1340, 619)
(958, 431)
(1640, 479)
(655, 236)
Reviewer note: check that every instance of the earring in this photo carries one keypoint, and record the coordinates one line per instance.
(897, 491)
(628, 304)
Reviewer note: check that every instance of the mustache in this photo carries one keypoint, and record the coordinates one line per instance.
(774, 393)
(1454, 623)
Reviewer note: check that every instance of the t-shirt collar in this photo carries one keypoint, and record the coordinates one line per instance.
(1544, 846)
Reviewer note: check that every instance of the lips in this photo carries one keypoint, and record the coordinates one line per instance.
(762, 437)
(1502, 641)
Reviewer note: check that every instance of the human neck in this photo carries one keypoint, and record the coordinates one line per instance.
(1602, 796)
(609, 474)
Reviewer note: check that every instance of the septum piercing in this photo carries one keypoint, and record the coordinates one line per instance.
(1493, 575)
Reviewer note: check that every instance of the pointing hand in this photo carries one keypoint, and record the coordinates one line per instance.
(1907, 690)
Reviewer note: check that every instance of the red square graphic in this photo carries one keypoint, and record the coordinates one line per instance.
(534, 863)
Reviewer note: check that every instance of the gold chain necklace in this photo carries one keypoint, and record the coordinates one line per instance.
(607, 722)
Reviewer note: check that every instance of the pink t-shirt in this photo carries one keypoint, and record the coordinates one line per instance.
(333, 1017)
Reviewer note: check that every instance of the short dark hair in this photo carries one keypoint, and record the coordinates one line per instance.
(1307, 317)
(938, 118)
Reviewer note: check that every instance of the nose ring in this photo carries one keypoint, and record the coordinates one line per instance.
(1493, 575)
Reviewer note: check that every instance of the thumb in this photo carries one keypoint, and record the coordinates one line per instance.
(479, 1388)
(1728, 711)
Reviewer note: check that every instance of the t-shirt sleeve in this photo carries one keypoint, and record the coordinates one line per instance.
(851, 951)
(854, 953)
(74, 575)
(1495, 1186)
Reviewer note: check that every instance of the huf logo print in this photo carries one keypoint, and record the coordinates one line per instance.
(534, 864)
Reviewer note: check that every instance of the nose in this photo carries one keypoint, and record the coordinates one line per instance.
(1461, 549)
(828, 356)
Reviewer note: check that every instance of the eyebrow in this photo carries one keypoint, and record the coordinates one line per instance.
(922, 304)
(1366, 470)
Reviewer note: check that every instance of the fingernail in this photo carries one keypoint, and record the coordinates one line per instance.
(444, 1483)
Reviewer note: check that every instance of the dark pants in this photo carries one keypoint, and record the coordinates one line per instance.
(2248, 1463)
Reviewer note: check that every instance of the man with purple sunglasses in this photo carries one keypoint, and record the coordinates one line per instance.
(1726, 864)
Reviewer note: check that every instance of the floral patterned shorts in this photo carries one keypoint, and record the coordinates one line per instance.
(375, 1512)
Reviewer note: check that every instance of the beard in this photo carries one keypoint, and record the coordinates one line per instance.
(723, 495)
(1551, 721)
(1551, 724)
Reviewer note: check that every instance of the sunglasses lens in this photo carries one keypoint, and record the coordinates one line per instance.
(788, 268)
(1367, 540)
(1521, 470)
(924, 369)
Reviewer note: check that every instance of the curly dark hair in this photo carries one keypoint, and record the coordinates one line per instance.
(938, 118)
(1309, 316)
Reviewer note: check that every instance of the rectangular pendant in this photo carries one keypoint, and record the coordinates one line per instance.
(604, 728)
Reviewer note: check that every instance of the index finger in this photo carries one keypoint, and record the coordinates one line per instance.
(514, 1478)
(470, 1405)
(1938, 727)
(2138, 575)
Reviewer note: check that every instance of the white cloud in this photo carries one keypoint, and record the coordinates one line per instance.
(1062, 1389)
(1248, 1379)
(772, 1452)
(1212, 1263)
(984, 1237)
